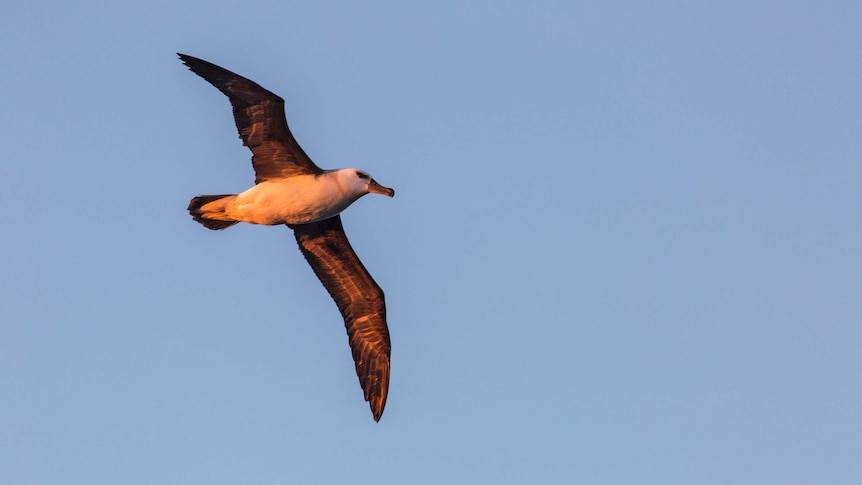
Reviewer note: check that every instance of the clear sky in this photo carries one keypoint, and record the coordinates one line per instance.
(625, 245)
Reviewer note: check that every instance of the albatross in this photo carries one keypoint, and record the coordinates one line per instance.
(290, 189)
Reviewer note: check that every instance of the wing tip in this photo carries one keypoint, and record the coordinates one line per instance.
(186, 58)
(377, 409)
(377, 395)
(197, 65)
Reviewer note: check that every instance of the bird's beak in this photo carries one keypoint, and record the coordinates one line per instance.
(373, 186)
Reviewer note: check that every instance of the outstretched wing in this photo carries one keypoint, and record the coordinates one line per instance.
(259, 116)
(359, 299)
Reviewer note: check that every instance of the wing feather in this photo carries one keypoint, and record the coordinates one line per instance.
(260, 121)
(360, 301)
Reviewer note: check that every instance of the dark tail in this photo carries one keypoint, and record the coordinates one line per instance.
(212, 217)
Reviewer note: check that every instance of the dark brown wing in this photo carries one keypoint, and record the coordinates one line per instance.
(359, 299)
(259, 116)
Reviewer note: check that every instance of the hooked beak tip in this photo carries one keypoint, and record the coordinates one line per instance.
(379, 189)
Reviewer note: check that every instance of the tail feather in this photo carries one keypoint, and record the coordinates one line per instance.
(213, 218)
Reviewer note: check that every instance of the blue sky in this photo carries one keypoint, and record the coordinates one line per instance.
(625, 245)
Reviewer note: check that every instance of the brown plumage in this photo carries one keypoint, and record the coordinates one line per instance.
(359, 299)
(260, 121)
(194, 209)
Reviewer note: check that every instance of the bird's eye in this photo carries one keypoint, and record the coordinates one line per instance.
(362, 175)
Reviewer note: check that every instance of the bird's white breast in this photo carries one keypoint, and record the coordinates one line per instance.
(295, 200)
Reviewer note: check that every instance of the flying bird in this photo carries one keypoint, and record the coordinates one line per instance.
(290, 189)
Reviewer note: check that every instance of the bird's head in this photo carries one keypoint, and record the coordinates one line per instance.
(360, 183)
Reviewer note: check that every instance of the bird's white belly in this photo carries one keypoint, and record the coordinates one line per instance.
(296, 200)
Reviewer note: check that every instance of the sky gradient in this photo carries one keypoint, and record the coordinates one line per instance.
(625, 245)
